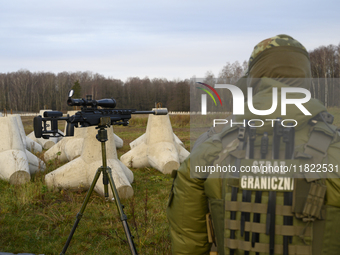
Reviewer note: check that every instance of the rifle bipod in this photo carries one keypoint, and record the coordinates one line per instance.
(107, 179)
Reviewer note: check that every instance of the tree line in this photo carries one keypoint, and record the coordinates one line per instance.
(27, 91)
(32, 91)
(325, 64)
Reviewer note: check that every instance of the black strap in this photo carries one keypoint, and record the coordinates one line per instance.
(270, 230)
(278, 132)
(288, 139)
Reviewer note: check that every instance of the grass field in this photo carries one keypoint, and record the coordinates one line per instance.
(36, 220)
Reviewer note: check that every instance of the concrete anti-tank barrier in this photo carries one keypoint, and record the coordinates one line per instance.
(16, 162)
(29, 144)
(159, 147)
(79, 172)
(13, 160)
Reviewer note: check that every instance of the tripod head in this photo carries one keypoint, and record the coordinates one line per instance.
(89, 115)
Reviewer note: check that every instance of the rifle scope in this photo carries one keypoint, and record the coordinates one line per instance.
(105, 103)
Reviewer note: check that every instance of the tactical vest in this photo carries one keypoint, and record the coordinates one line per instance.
(272, 215)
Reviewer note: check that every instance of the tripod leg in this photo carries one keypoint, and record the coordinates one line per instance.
(106, 183)
(122, 215)
(82, 209)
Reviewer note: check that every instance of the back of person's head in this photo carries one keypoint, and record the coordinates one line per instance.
(282, 58)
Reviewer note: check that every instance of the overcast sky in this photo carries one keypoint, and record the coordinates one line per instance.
(164, 39)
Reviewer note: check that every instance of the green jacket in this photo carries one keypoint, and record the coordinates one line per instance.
(191, 198)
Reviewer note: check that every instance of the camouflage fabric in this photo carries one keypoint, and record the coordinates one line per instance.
(276, 41)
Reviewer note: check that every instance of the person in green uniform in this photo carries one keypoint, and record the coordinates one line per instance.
(232, 213)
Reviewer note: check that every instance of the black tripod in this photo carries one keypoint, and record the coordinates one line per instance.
(107, 178)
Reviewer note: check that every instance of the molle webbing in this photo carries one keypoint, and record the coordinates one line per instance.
(261, 228)
(302, 231)
(254, 227)
(284, 210)
(300, 234)
(264, 248)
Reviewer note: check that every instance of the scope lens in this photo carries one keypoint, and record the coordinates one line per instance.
(107, 103)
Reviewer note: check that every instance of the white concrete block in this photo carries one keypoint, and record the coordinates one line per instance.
(80, 171)
(13, 160)
(32, 145)
(34, 163)
(45, 143)
(159, 147)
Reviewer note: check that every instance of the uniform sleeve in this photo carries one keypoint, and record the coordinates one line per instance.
(333, 180)
(186, 214)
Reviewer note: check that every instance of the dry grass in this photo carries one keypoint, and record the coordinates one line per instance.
(37, 220)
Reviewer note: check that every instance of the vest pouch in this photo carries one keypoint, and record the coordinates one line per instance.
(300, 194)
(308, 199)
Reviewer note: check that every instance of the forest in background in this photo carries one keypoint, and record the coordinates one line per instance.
(31, 91)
